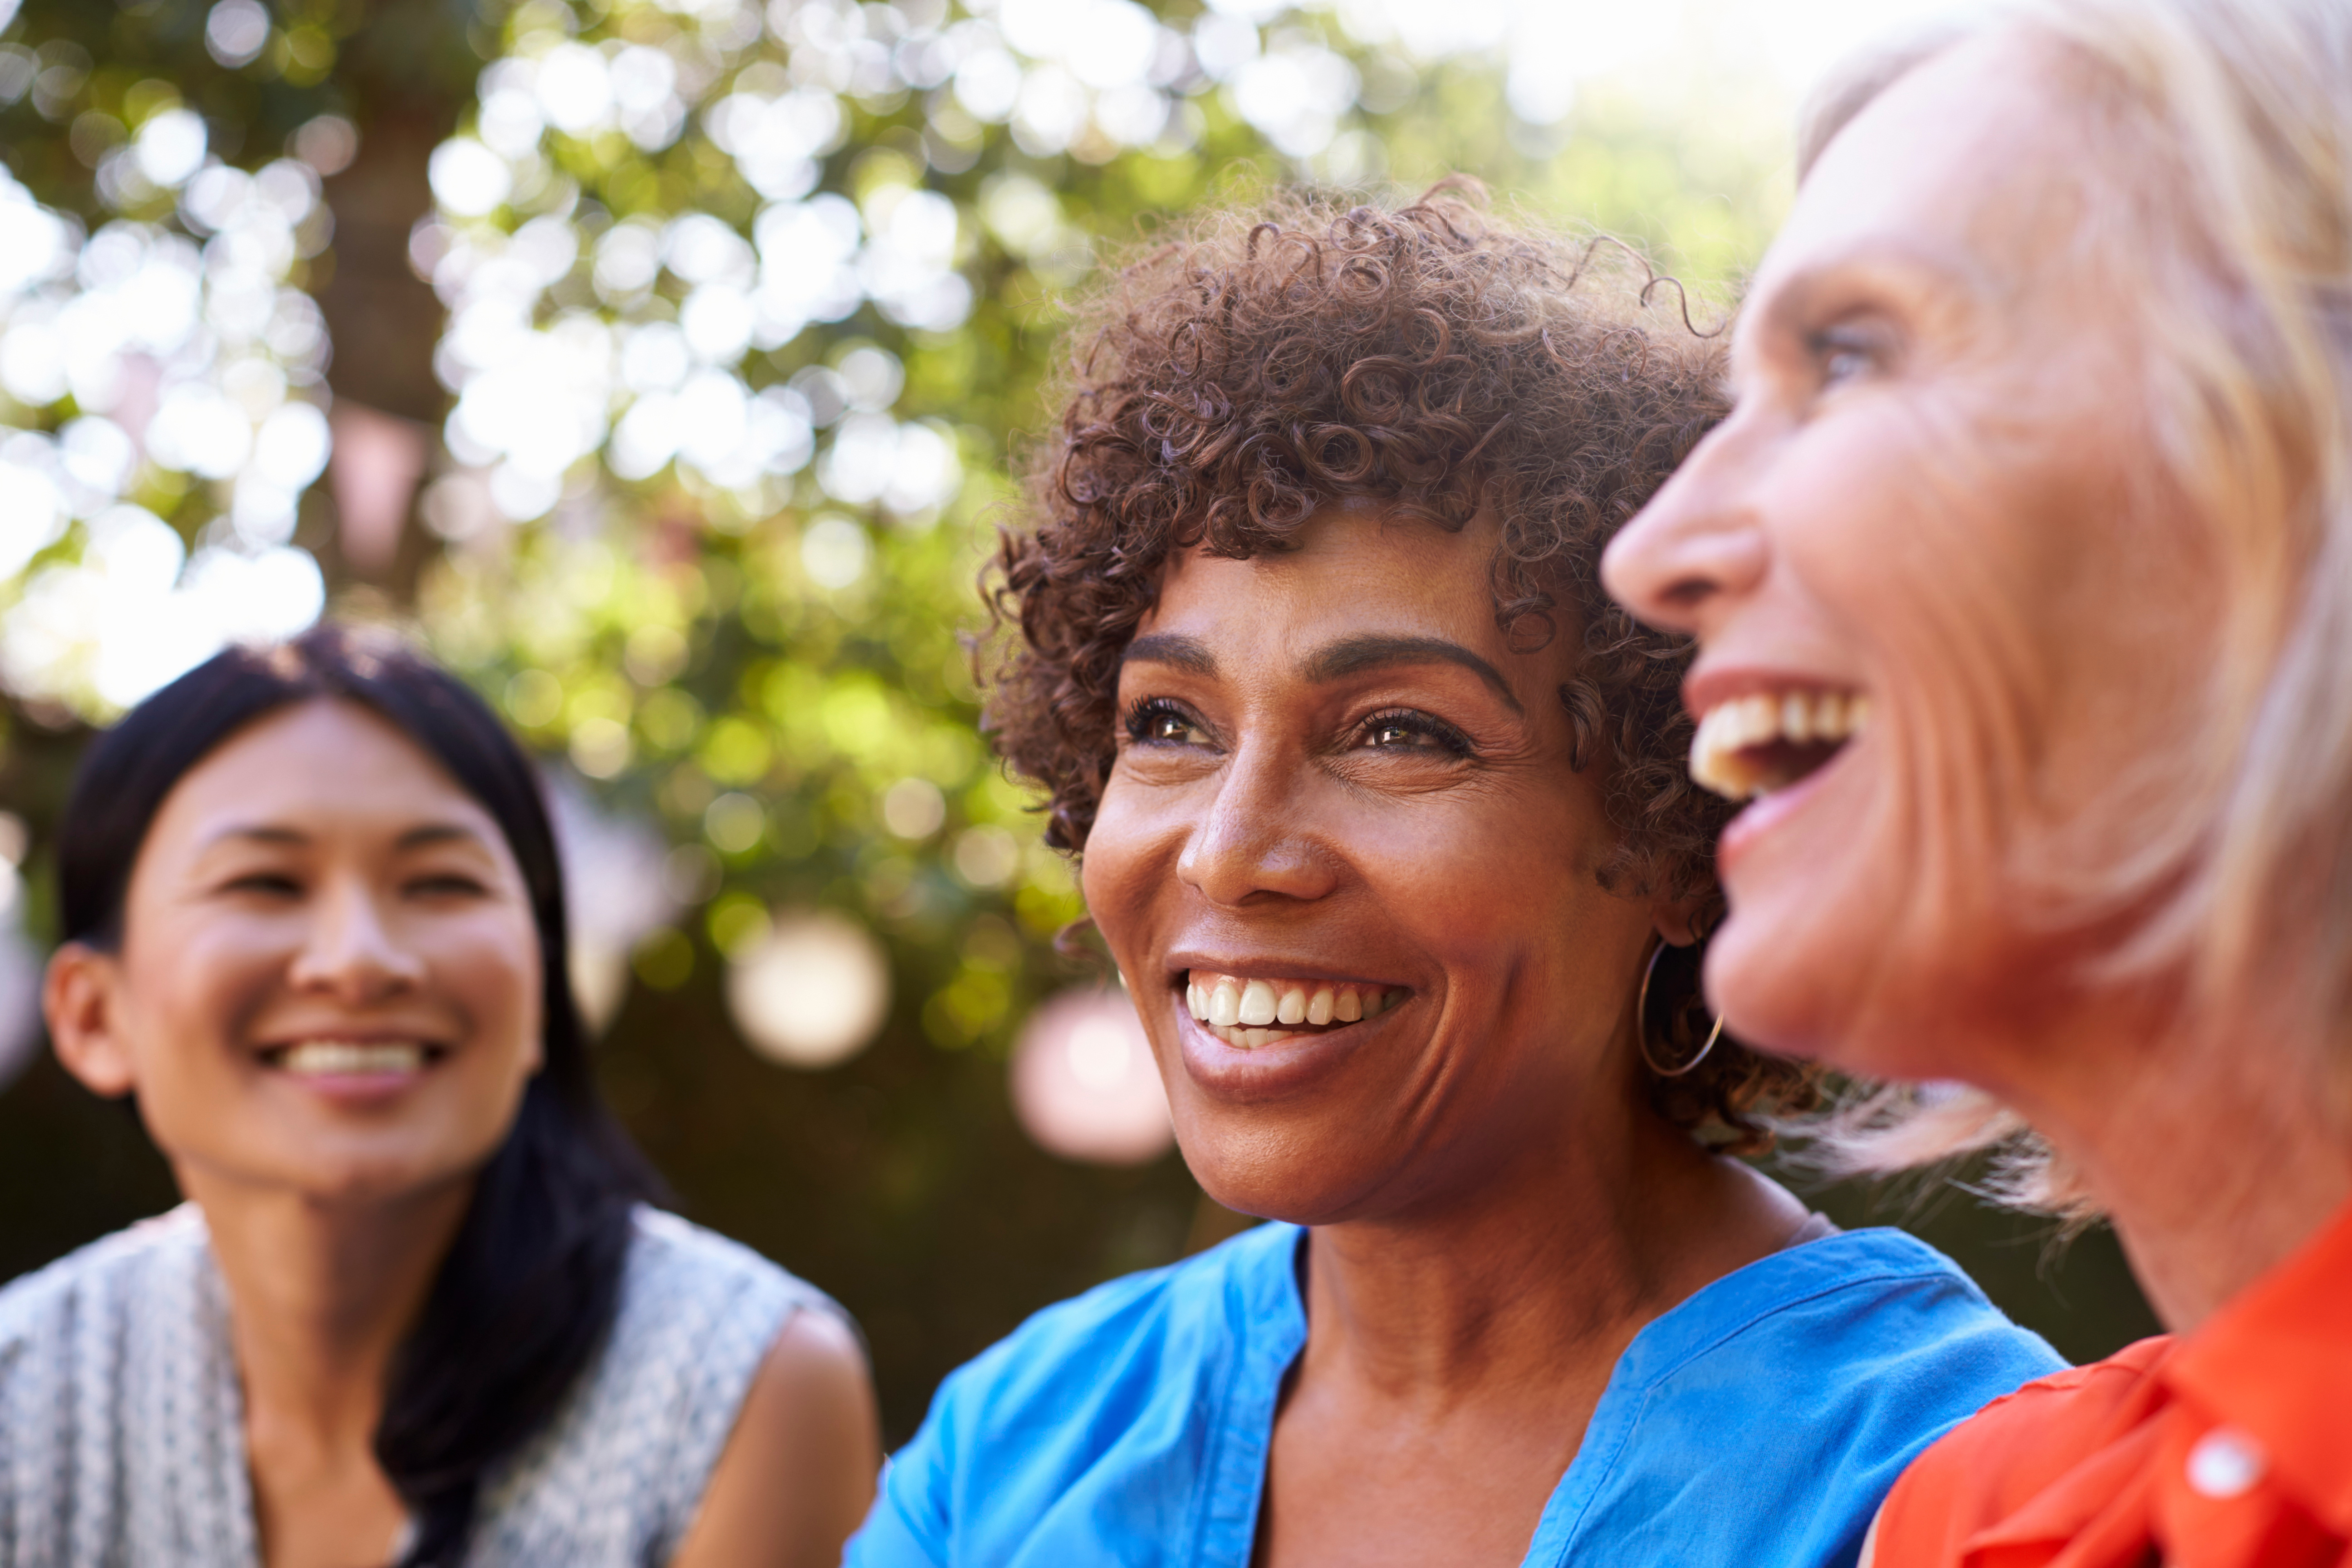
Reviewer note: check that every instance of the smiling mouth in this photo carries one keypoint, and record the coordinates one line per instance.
(352, 1058)
(1752, 745)
(1247, 1013)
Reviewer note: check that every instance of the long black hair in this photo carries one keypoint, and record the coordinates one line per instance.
(530, 1286)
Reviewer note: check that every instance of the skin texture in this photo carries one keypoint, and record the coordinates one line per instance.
(1931, 492)
(1496, 1211)
(318, 876)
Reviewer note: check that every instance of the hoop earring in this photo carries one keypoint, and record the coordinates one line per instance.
(1642, 1025)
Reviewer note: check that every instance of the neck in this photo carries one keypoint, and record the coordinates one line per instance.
(321, 1293)
(2214, 1160)
(1543, 1268)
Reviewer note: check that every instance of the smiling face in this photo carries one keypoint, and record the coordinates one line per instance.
(1350, 876)
(1953, 634)
(328, 978)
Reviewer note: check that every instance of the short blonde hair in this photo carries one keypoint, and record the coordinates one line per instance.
(2244, 108)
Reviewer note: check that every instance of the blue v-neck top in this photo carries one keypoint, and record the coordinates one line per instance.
(1757, 1425)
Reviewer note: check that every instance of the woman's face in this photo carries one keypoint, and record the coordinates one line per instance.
(329, 977)
(1946, 614)
(1343, 825)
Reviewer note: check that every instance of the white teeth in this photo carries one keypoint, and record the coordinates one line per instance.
(1760, 718)
(1251, 1012)
(324, 1057)
(1796, 717)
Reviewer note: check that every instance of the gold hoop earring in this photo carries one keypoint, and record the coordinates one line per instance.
(1641, 1024)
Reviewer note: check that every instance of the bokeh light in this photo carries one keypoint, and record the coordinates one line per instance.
(163, 365)
(1084, 1083)
(812, 991)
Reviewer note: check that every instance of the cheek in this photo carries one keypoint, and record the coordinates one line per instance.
(1129, 858)
(490, 970)
(1944, 550)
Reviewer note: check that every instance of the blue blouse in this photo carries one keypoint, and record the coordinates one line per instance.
(1758, 1424)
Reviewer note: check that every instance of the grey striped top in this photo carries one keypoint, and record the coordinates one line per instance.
(121, 1422)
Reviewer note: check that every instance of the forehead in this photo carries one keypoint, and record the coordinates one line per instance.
(1962, 168)
(1356, 569)
(324, 764)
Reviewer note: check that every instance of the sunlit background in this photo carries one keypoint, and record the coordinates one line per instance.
(660, 366)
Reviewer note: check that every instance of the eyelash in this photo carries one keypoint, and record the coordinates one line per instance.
(1832, 344)
(1415, 723)
(1139, 721)
(1141, 717)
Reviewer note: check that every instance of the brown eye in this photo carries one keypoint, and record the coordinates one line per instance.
(1411, 731)
(1162, 723)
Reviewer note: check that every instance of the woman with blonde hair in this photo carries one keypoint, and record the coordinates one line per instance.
(2041, 477)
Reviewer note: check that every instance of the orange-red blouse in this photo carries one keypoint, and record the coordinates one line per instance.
(2227, 1448)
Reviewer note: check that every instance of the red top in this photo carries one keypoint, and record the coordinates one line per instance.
(2228, 1447)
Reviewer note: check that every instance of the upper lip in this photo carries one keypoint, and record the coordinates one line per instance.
(1183, 965)
(353, 1034)
(1706, 688)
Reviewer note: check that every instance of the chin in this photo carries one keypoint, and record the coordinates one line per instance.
(1268, 1174)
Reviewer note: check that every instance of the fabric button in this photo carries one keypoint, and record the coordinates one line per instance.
(2225, 1463)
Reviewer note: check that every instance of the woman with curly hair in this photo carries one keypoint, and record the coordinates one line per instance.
(1383, 816)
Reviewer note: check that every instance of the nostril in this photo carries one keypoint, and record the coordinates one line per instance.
(1686, 593)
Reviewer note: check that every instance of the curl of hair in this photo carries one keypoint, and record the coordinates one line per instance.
(528, 1290)
(1226, 384)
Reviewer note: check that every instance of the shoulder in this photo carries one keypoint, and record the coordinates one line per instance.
(1102, 1346)
(698, 1313)
(668, 1255)
(101, 1280)
(625, 1462)
(1870, 1335)
(1770, 1412)
(1101, 1411)
(1992, 1464)
(1867, 1304)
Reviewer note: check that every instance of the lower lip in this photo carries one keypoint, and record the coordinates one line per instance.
(352, 1087)
(1275, 1070)
(1761, 816)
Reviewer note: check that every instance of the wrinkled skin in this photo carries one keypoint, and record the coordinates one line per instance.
(1941, 489)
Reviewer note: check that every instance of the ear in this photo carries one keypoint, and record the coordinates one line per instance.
(1676, 923)
(80, 998)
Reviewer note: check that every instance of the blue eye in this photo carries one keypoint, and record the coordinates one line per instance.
(1843, 353)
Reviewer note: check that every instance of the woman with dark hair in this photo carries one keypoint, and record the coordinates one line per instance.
(416, 1308)
(1383, 819)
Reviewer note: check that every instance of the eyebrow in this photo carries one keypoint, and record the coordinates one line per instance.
(417, 837)
(1373, 650)
(1190, 655)
(1333, 661)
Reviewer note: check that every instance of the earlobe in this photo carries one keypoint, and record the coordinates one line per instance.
(79, 1001)
(1678, 924)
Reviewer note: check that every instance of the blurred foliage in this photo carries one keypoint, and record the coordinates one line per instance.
(761, 654)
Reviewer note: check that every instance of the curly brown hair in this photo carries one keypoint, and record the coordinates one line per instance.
(1228, 383)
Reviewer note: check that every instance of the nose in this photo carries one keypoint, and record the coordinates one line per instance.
(1252, 847)
(350, 951)
(1697, 548)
